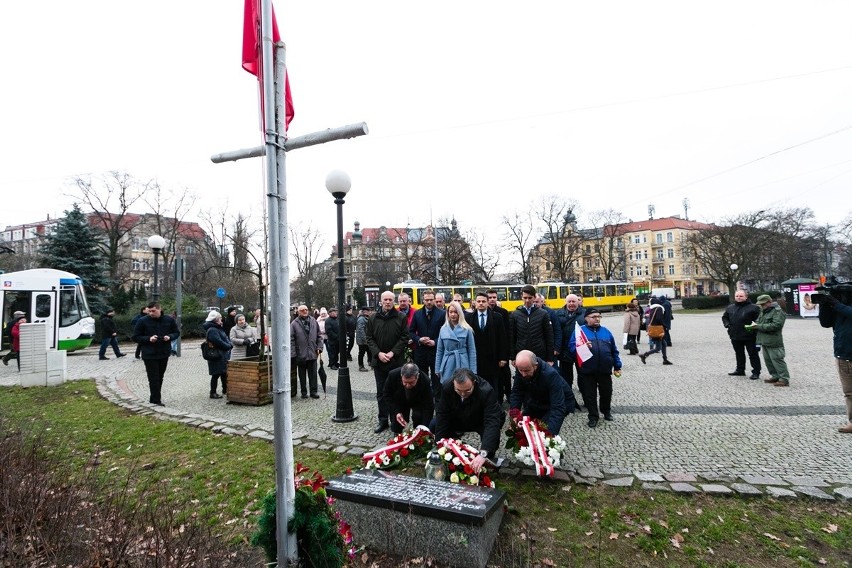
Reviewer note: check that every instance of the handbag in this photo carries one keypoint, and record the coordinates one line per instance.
(253, 349)
(656, 331)
(209, 352)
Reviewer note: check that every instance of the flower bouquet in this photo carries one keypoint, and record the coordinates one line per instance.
(401, 450)
(534, 445)
(458, 456)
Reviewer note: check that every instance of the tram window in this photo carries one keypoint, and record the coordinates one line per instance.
(409, 291)
(501, 293)
(610, 290)
(514, 293)
(552, 292)
(575, 289)
(69, 311)
(598, 291)
(622, 290)
(447, 292)
(563, 292)
(42, 306)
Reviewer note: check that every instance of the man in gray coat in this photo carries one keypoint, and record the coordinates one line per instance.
(306, 345)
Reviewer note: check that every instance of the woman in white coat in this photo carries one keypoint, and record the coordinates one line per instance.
(456, 348)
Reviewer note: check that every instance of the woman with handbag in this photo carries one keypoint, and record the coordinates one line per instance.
(244, 338)
(631, 327)
(656, 331)
(218, 365)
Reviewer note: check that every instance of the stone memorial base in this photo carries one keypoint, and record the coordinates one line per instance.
(250, 381)
(414, 517)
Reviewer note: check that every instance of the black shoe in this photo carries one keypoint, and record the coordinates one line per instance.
(593, 422)
(121, 355)
(381, 427)
(293, 394)
(737, 374)
(667, 362)
(214, 395)
(304, 395)
(608, 417)
(362, 369)
(103, 358)
(333, 367)
(642, 357)
(754, 376)
(314, 395)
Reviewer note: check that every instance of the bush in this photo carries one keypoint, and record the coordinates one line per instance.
(190, 327)
(705, 302)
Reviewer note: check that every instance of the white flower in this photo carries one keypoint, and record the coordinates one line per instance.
(456, 461)
(473, 480)
(448, 457)
(410, 446)
(454, 478)
(442, 450)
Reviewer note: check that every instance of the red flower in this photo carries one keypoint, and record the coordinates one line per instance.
(486, 480)
(468, 470)
(348, 470)
(404, 452)
(515, 413)
(452, 466)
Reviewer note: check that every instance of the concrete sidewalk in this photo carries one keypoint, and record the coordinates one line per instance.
(681, 421)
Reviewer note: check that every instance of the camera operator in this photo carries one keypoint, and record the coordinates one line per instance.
(838, 315)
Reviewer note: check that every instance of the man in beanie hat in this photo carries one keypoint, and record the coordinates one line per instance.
(109, 335)
(769, 324)
(332, 334)
(14, 353)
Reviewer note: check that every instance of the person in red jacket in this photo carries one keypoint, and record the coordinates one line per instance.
(17, 318)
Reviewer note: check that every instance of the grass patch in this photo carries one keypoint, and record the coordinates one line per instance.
(550, 524)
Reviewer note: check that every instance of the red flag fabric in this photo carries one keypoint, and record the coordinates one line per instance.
(584, 352)
(252, 57)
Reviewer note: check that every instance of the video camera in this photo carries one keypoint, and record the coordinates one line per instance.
(840, 291)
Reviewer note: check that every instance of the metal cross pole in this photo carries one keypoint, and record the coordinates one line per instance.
(274, 151)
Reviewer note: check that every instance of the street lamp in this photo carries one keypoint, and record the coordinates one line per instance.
(338, 183)
(156, 243)
(387, 284)
(310, 293)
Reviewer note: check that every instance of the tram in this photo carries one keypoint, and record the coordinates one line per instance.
(53, 297)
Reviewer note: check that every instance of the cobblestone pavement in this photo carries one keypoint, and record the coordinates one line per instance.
(671, 423)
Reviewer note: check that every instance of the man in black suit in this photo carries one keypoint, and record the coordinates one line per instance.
(409, 397)
(504, 382)
(492, 345)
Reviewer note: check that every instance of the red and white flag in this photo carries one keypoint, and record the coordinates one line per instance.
(253, 56)
(584, 352)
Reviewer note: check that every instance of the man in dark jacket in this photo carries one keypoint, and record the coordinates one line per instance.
(569, 316)
(332, 333)
(387, 338)
(409, 397)
(306, 347)
(489, 337)
(504, 382)
(837, 314)
(155, 333)
(739, 314)
(538, 391)
(109, 335)
(668, 316)
(596, 372)
(469, 404)
(351, 324)
(530, 328)
(424, 329)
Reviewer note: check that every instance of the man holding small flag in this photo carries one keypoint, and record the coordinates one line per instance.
(597, 360)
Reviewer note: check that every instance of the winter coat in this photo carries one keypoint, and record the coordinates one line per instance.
(422, 399)
(305, 339)
(492, 345)
(108, 328)
(567, 321)
(241, 336)
(480, 413)
(769, 326)
(455, 350)
(556, 326)
(332, 330)
(361, 330)
(541, 395)
(655, 315)
(387, 331)
(737, 316)
(668, 316)
(533, 332)
(217, 336)
(631, 321)
(421, 326)
(16, 335)
(148, 327)
(838, 316)
(605, 357)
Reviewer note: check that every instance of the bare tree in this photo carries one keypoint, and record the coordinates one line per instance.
(455, 262)
(110, 197)
(518, 231)
(609, 225)
(485, 256)
(170, 209)
(560, 237)
(306, 242)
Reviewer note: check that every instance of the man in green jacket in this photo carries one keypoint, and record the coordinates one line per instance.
(769, 324)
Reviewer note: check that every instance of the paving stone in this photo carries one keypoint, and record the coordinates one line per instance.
(218, 428)
(746, 489)
(763, 480)
(324, 447)
(341, 449)
(299, 434)
(715, 489)
(356, 451)
(559, 475)
(844, 493)
(643, 476)
(808, 481)
(617, 471)
(620, 481)
(680, 487)
(779, 492)
(812, 491)
(295, 442)
(310, 445)
(585, 471)
(656, 486)
(509, 471)
(583, 480)
(207, 425)
(680, 477)
(261, 434)
(716, 478)
(229, 431)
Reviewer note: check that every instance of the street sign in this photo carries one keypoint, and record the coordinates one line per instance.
(220, 292)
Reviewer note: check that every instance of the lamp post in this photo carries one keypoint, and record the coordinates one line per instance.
(310, 293)
(387, 284)
(338, 183)
(156, 243)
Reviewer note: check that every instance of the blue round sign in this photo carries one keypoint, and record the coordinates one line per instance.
(220, 292)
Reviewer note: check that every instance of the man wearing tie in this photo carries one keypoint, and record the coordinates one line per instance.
(492, 345)
(424, 330)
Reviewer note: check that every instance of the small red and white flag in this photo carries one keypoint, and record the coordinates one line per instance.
(584, 352)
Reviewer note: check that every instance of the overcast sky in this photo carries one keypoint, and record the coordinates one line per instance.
(475, 108)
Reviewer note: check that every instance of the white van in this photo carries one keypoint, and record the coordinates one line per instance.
(660, 292)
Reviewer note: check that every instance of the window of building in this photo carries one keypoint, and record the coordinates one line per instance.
(660, 254)
(669, 237)
(637, 239)
(660, 271)
(671, 269)
(646, 255)
(659, 237)
(670, 253)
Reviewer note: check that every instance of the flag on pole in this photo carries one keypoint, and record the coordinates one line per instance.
(584, 352)
(252, 53)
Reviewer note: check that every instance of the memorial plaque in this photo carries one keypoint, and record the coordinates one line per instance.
(437, 499)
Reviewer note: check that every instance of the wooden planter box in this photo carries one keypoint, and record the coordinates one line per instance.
(250, 381)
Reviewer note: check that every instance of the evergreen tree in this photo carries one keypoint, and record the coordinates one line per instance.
(73, 247)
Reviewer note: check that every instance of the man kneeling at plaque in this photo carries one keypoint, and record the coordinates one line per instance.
(469, 404)
(409, 397)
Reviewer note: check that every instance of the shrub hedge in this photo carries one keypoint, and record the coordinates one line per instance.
(722, 300)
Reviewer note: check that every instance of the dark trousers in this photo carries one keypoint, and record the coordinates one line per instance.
(308, 376)
(138, 350)
(214, 383)
(364, 350)
(505, 383)
(156, 370)
(667, 338)
(333, 353)
(106, 342)
(12, 355)
(592, 385)
(657, 345)
(380, 372)
(566, 369)
(743, 346)
(350, 342)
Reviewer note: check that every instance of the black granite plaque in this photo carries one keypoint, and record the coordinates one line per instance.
(438, 499)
